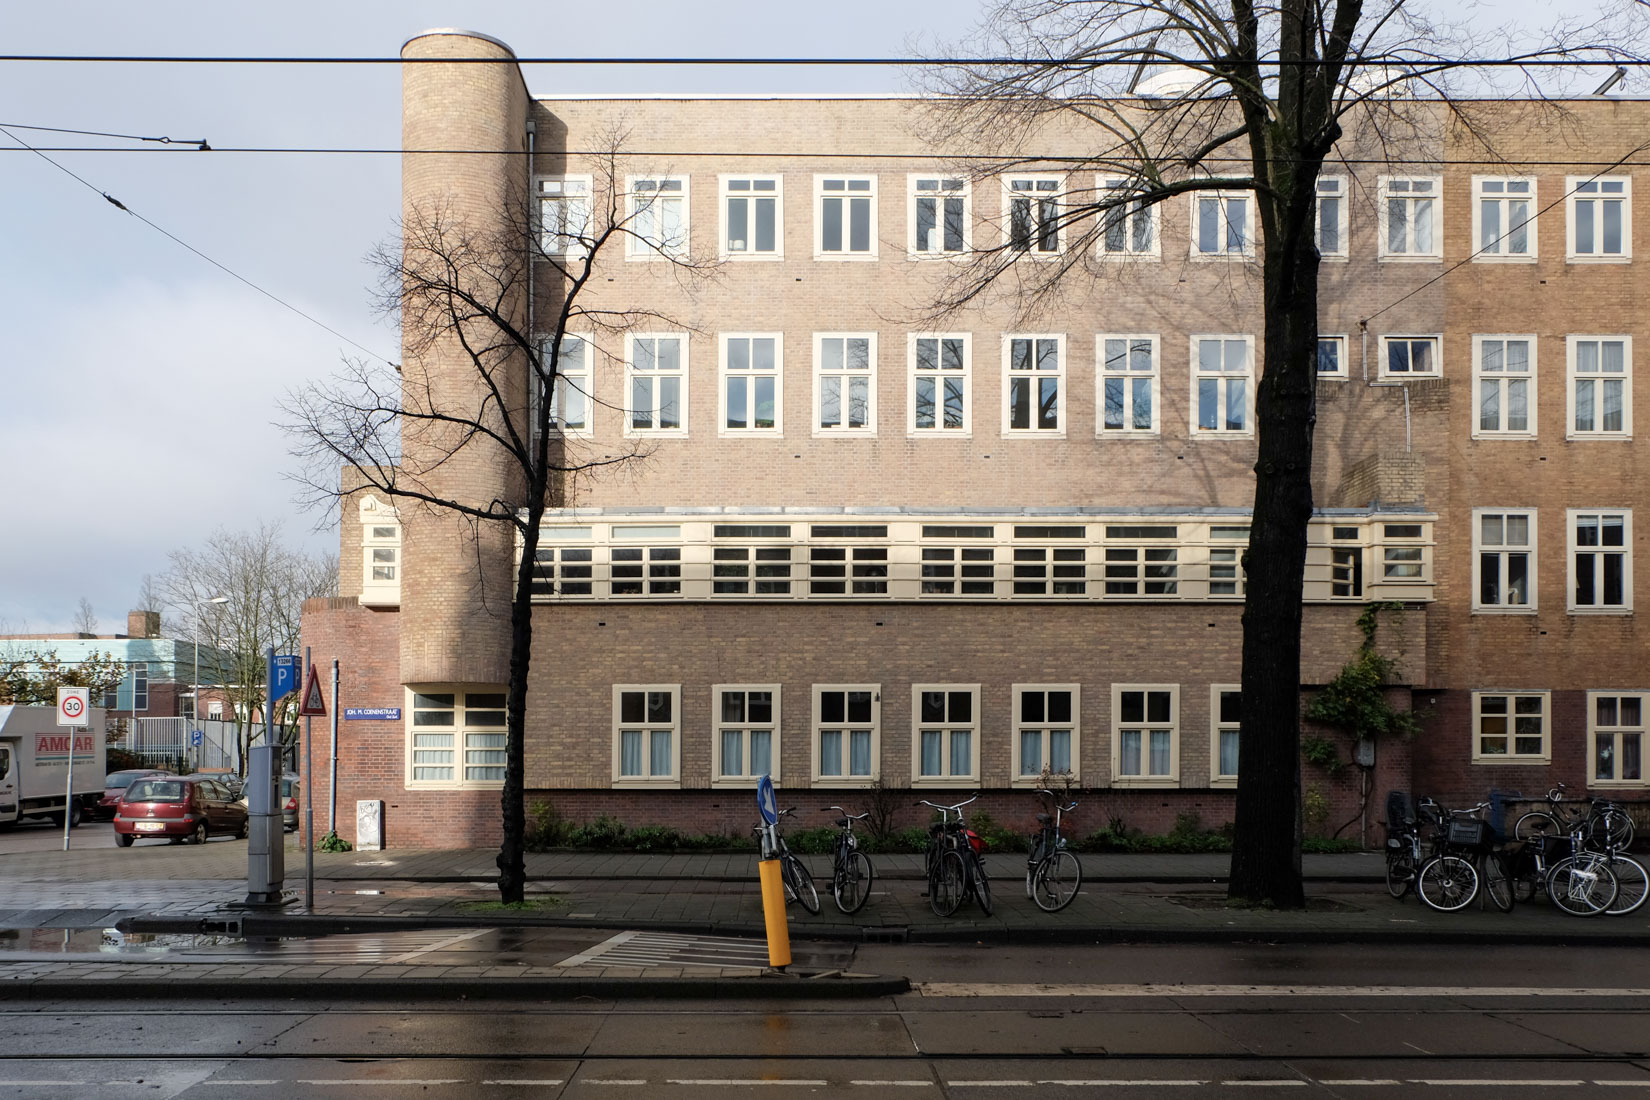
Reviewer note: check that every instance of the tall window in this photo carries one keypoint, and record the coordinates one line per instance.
(564, 216)
(939, 383)
(845, 383)
(1332, 357)
(752, 221)
(381, 565)
(1222, 225)
(1225, 719)
(845, 219)
(1504, 375)
(1410, 216)
(140, 685)
(751, 383)
(1035, 375)
(939, 215)
(1504, 560)
(1128, 383)
(1127, 228)
(646, 734)
(1505, 226)
(1601, 387)
(945, 732)
(847, 733)
(1409, 357)
(747, 732)
(1615, 735)
(1346, 564)
(570, 399)
(658, 216)
(1145, 734)
(1509, 728)
(1331, 223)
(657, 379)
(457, 738)
(1033, 214)
(1600, 225)
(1222, 384)
(1045, 731)
(1601, 560)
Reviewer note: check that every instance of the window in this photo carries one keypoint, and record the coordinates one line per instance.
(560, 569)
(1222, 371)
(1615, 737)
(1409, 356)
(751, 570)
(1225, 720)
(381, 560)
(1601, 563)
(1331, 224)
(847, 570)
(1346, 572)
(939, 384)
(1600, 394)
(1332, 357)
(1128, 385)
(564, 216)
(845, 391)
(1403, 557)
(1147, 568)
(1509, 728)
(958, 570)
(751, 384)
(1145, 734)
(1226, 572)
(1221, 225)
(1600, 225)
(845, 218)
(457, 738)
(1045, 731)
(939, 215)
(1503, 369)
(1410, 218)
(847, 734)
(1126, 228)
(658, 216)
(1505, 226)
(647, 746)
(752, 218)
(1034, 375)
(747, 732)
(570, 399)
(1033, 214)
(647, 571)
(1049, 570)
(657, 380)
(1504, 558)
(944, 732)
(140, 685)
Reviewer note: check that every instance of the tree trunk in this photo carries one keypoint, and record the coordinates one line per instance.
(512, 853)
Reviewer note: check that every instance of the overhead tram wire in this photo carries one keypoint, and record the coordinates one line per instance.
(1425, 63)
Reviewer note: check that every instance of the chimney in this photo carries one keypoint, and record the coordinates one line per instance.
(143, 624)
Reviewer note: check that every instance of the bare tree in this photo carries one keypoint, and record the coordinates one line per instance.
(1239, 96)
(85, 618)
(496, 300)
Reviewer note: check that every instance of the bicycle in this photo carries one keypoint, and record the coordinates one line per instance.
(1632, 881)
(952, 863)
(851, 870)
(1468, 835)
(1405, 853)
(1053, 875)
(798, 883)
(1603, 818)
(1582, 884)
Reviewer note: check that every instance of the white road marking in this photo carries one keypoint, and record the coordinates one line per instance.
(1630, 1084)
(448, 942)
(1268, 1084)
(1359, 1081)
(225, 1084)
(724, 1082)
(1121, 1083)
(989, 1084)
(1464, 1082)
(550, 1082)
(601, 1081)
(1015, 989)
(894, 1084)
(54, 1084)
(399, 1083)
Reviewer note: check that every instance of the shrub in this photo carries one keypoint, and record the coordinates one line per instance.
(997, 837)
(603, 833)
(332, 842)
(652, 838)
(546, 828)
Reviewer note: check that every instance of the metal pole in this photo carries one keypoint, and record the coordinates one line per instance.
(195, 702)
(68, 791)
(332, 779)
(309, 805)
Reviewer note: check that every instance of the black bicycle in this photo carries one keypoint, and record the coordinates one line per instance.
(799, 884)
(953, 865)
(1053, 875)
(851, 871)
(1607, 822)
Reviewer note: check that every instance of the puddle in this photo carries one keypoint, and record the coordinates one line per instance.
(105, 941)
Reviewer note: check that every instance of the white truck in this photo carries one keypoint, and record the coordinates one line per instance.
(34, 764)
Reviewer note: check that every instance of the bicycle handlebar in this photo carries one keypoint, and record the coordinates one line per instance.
(845, 813)
(953, 809)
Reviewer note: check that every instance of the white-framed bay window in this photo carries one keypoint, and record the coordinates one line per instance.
(941, 387)
(847, 734)
(753, 217)
(647, 735)
(1599, 226)
(745, 737)
(1145, 735)
(1600, 549)
(1504, 223)
(1511, 727)
(1615, 737)
(1503, 559)
(1411, 218)
(1503, 378)
(564, 216)
(1225, 721)
(1046, 732)
(1599, 393)
(945, 734)
(455, 736)
(1034, 381)
(657, 217)
(938, 215)
(845, 383)
(1127, 384)
(1223, 387)
(656, 383)
(752, 375)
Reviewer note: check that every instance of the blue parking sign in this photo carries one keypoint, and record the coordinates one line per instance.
(195, 739)
(765, 800)
(283, 675)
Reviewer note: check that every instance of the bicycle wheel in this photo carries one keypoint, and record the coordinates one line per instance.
(982, 885)
(945, 891)
(1632, 883)
(1536, 823)
(1058, 879)
(800, 884)
(1447, 883)
(1613, 827)
(1498, 882)
(1400, 872)
(851, 884)
(1582, 887)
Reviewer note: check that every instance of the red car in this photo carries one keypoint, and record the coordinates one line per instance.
(179, 807)
(114, 788)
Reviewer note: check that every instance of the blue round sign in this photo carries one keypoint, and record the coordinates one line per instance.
(765, 800)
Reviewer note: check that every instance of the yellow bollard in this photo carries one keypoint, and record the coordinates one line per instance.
(773, 913)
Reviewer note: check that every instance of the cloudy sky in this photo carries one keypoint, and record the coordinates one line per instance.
(138, 382)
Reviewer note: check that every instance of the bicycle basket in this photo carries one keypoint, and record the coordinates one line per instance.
(1469, 833)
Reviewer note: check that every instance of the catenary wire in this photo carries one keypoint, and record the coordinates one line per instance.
(1535, 61)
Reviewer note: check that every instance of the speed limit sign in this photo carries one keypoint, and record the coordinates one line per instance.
(71, 706)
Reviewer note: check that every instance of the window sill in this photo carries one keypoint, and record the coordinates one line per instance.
(1599, 611)
(938, 433)
(1127, 257)
(751, 433)
(1342, 377)
(1222, 257)
(1530, 259)
(738, 782)
(1406, 258)
(843, 781)
(845, 433)
(1504, 437)
(930, 257)
(1156, 782)
(944, 782)
(1399, 379)
(1035, 782)
(1503, 611)
(848, 258)
(1223, 784)
(1573, 259)
(1599, 437)
(1527, 761)
(655, 433)
(1129, 433)
(752, 257)
(1034, 433)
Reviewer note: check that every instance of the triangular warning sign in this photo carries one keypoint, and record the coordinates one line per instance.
(313, 704)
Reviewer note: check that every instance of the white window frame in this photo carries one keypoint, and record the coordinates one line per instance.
(370, 560)
(1573, 197)
(460, 732)
(815, 411)
(939, 376)
(914, 194)
(777, 374)
(1573, 548)
(564, 379)
(1573, 377)
(1145, 779)
(1062, 399)
(820, 195)
(1057, 195)
(1131, 216)
(1616, 733)
(746, 777)
(1343, 371)
(1218, 726)
(641, 247)
(1412, 252)
(1018, 727)
(946, 777)
(1154, 379)
(1248, 377)
(557, 191)
(1501, 378)
(1511, 756)
(1435, 339)
(630, 430)
(674, 779)
(1336, 188)
(1496, 250)
(1503, 551)
(1246, 239)
(724, 201)
(818, 724)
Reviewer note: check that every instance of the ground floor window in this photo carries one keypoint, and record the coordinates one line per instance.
(1225, 712)
(647, 744)
(1145, 734)
(456, 737)
(1045, 731)
(746, 723)
(1510, 727)
(1615, 735)
(945, 732)
(847, 733)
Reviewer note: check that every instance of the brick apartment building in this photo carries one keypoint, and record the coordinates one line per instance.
(868, 548)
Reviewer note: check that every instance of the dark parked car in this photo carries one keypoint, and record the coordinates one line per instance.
(180, 807)
(231, 779)
(114, 786)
